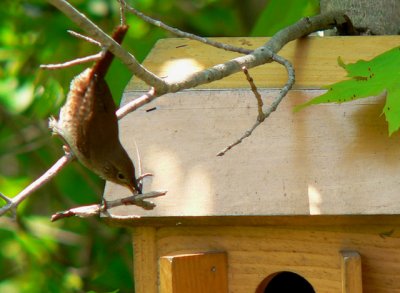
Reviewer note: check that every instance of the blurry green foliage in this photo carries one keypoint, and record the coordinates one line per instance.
(281, 13)
(78, 255)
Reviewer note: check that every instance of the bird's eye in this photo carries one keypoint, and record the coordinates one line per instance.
(121, 176)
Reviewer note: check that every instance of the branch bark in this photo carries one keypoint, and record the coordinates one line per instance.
(99, 35)
(258, 57)
(183, 34)
(369, 17)
(97, 209)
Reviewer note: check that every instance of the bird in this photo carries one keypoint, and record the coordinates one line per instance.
(89, 126)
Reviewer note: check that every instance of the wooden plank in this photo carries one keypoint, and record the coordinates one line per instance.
(351, 272)
(145, 260)
(310, 251)
(195, 273)
(314, 59)
(300, 220)
(325, 160)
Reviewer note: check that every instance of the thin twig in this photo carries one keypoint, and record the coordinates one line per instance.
(5, 198)
(245, 135)
(137, 103)
(258, 57)
(122, 10)
(9, 205)
(137, 199)
(274, 105)
(74, 62)
(85, 38)
(183, 34)
(255, 92)
(97, 209)
(99, 35)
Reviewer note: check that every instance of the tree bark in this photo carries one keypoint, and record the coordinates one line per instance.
(369, 16)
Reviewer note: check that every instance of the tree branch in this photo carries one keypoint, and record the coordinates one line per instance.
(96, 33)
(263, 54)
(85, 38)
(74, 62)
(183, 34)
(97, 209)
(263, 115)
(137, 103)
(257, 95)
(258, 57)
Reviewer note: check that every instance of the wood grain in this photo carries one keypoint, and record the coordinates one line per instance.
(324, 160)
(195, 273)
(145, 260)
(313, 252)
(314, 60)
(351, 272)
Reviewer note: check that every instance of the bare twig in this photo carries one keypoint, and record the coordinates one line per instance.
(283, 92)
(137, 199)
(255, 92)
(8, 202)
(77, 61)
(74, 62)
(258, 56)
(261, 55)
(245, 135)
(5, 198)
(85, 38)
(96, 33)
(122, 8)
(97, 209)
(12, 203)
(82, 211)
(137, 103)
(183, 34)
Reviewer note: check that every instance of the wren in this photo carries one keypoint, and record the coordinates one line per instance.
(89, 126)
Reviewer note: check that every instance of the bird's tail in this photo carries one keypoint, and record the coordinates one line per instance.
(100, 68)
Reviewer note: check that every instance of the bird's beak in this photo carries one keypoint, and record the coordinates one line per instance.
(131, 188)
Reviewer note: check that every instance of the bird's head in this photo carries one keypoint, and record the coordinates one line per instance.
(119, 169)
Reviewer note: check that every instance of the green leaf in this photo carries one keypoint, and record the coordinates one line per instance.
(368, 78)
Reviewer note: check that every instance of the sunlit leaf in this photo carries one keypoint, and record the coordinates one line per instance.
(368, 78)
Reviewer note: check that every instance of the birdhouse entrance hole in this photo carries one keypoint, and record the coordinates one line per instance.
(285, 282)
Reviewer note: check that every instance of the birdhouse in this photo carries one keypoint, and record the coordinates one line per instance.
(310, 202)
